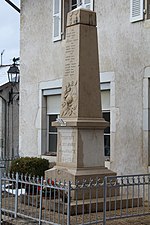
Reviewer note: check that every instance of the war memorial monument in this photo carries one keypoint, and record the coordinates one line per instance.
(80, 144)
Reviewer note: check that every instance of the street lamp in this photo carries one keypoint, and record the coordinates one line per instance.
(13, 72)
(13, 77)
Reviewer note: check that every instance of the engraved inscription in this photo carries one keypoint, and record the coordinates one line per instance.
(67, 146)
(71, 53)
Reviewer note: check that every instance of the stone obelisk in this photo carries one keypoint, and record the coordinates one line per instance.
(80, 145)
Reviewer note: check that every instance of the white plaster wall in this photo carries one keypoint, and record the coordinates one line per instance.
(123, 49)
(39, 62)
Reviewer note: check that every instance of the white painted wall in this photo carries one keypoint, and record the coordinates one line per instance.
(41, 60)
(123, 50)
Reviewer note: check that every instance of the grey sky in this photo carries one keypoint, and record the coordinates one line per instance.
(9, 31)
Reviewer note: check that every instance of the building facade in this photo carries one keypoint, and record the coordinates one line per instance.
(123, 37)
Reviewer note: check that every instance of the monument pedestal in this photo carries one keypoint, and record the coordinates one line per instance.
(80, 174)
(80, 155)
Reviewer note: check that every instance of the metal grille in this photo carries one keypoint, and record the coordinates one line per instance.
(86, 202)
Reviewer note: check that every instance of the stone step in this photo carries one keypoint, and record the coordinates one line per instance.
(93, 205)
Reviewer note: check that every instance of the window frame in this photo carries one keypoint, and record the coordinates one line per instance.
(51, 153)
(59, 15)
(91, 3)
(107, 134)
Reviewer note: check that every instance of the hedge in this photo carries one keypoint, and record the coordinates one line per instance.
(30, 166)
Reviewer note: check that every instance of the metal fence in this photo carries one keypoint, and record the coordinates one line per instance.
(90, 202)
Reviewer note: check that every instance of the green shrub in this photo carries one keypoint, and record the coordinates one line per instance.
(31, 166)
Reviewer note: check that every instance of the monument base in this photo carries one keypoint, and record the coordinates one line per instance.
(78, 174)
(82, 175)
(97, 205)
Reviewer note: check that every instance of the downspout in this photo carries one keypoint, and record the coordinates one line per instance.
(5, 125)
(13, 5)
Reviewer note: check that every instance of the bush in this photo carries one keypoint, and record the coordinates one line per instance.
(31, 166)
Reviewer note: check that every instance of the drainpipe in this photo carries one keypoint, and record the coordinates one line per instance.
(13, 5)
(5, 124)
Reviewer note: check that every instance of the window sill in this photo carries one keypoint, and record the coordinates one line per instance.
(50, 154)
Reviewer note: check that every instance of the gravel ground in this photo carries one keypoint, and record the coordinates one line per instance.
(59, 218)
(142, 220)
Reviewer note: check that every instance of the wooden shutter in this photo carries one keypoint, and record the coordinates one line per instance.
(88, 4)
(136, 10)
(56, 20)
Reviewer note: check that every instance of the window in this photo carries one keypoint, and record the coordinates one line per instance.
(105, 102)
(52, 112)
(138, 8)
(51, 136)
(74, 4)
(106, 116)
(87, 3)
(61, 8)
(56, 20)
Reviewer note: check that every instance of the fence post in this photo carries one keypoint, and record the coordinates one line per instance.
(69, 203)
(16, 195)
(105, 200)
(40, 213)
(0, 195)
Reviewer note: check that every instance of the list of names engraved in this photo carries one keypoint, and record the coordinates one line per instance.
(71, 54)
(67, 147)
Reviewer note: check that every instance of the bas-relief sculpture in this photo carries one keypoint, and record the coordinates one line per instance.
(69, 102)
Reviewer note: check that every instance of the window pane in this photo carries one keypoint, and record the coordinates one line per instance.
(56, 6)
(107, 130)
(56, 26)
(88, 6)
(107, 145)
(52, 134)
(74, 4)
(87, 1)
(52, 142)
(52, 118)
(106, 116)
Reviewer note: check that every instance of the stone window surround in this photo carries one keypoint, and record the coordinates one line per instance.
(107, 82)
